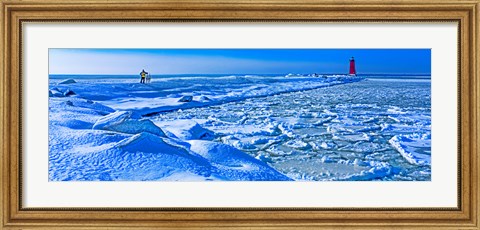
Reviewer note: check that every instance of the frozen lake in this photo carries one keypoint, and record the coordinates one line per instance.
(240, 128)
(341, 132)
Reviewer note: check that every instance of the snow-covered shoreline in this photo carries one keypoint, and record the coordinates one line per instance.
(86, 144)
(162, 96)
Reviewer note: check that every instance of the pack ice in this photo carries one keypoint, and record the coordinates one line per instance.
(99, 131)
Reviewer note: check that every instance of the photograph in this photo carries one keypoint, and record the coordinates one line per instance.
(279, 114)
(165, 114)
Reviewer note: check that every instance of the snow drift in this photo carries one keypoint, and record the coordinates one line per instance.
(124, 122)
(90, 141)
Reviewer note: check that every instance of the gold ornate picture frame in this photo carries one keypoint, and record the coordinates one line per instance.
(15, 13)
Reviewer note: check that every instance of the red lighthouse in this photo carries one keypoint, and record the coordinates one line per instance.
(352, 71)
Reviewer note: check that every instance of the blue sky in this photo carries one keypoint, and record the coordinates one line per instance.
(237, 61)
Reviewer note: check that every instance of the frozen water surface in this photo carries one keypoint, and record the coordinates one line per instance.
(240, 128)
(374, 129)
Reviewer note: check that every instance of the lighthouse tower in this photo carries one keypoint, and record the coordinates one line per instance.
(352, 71)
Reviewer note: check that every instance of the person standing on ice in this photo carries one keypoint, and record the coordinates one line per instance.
(143, 75)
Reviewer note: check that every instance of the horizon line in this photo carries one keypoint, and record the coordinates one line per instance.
(87, 74)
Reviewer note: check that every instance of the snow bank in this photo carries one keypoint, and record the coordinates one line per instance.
(68, 81)
(83, 148)
(75, 113)
(55, 93)
(149, 143)
(204, 98)
(88, 104)
(124, 122)
(186, 99)
(140, 157)
(186, 129)
(68, 92)
(234, 163)
(92, 155)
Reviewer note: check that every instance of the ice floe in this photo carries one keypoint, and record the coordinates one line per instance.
(415, 148)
